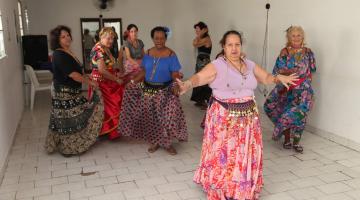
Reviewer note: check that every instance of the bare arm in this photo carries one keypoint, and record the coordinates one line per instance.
(128, 56)
(121, 60)
(139, 77)
(176, 75)
(106, 73)
(266, 78)
(198, 42)
(76, 76)
(120, 56)
(142, 52)
(205, 76)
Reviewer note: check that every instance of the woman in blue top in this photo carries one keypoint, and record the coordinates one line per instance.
(151, 110)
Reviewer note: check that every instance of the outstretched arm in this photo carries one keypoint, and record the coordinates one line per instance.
(266, 78)
(203, 77)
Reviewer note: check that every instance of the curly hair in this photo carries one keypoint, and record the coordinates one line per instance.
(55, 36)
(107, 30)
(292, 29)
(158, 29)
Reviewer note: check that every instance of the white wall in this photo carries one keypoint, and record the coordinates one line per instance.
(11, 82)
(332, 29)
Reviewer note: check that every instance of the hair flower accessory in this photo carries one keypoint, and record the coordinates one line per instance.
(167, 32)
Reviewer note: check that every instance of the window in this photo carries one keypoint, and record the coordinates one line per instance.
(2, 45)
(21, 28)
(26, 17)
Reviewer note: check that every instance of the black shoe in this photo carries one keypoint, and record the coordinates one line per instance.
(298, 148)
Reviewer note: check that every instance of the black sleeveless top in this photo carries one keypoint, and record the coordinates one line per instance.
(204, 49)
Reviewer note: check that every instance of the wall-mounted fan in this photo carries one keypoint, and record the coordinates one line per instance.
(103, 4)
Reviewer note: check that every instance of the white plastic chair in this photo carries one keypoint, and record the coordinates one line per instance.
(35, 85)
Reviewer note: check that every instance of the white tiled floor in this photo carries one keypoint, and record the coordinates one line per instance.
(119, 170)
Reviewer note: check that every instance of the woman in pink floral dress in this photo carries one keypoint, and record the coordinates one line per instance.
(231, 159)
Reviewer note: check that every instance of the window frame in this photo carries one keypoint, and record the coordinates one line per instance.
(2, 38)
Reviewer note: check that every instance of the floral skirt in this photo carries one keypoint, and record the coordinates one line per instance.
(231, 162)
(153, 115)
(289, 110)
(75, 122)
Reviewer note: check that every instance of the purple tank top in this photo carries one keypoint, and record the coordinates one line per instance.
(229, 83)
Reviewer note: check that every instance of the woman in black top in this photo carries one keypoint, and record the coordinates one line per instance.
(203, 44)
(74, 121)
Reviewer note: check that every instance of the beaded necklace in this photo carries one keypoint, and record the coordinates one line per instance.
(243, 75)
(154, 67)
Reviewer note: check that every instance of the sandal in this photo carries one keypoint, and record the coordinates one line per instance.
(298, 148)
(153, 148)
(287, 145)
(171, 150)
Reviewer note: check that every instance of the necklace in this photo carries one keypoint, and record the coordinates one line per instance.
(234, 65)
(295, 50)
(155, 64)
(243, 75)
(134, 43)
(70, 53)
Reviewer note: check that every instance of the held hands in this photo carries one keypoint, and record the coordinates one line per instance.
(119, 81)
(93, 84)
(287, 80)
(184, 86)
(175, 89)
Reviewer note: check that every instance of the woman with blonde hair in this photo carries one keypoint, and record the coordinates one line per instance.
(111, 86)
(288, 108)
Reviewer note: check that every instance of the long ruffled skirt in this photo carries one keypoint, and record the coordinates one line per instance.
(232, 155)
(157, 117)
(74, 122)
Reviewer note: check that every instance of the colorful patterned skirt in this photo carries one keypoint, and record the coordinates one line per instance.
(201, 94)
(289, 109)
(112, 94)
(152, 113)
(74, 121)
(231, 162)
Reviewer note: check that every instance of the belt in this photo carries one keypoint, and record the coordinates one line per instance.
(243, 109)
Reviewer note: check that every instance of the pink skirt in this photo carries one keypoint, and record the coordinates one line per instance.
(231, 162)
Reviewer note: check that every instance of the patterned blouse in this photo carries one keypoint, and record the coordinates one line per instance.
(99, 52)
(301, 62)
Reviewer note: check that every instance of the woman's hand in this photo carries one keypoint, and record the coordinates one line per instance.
(183, 86)
(93, 84)
(119, 81)
(175, 89)
(287, 80)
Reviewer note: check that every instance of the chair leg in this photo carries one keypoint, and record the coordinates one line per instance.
(32, 98)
